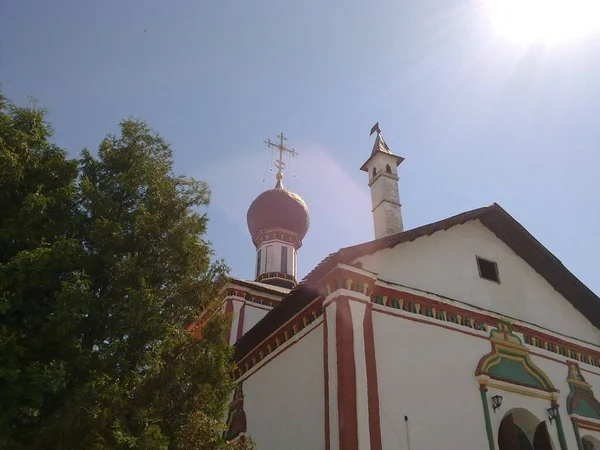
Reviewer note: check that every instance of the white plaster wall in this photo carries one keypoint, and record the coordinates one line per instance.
(284, 400)
(444, 263)
(387, 220)
(384, 188)
(252, 315)
(427, 373)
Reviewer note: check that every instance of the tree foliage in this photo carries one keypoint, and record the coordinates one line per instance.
(102, 263)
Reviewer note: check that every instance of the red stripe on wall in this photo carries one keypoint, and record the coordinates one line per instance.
(229, 310)
(346, 376)
(240, 329)
(372, 385)
(326, 367)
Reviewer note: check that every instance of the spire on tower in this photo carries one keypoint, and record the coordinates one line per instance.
(380, 145)
(279, 164)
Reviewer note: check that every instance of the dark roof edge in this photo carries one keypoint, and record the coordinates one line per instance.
(251, 285)
(291, 304)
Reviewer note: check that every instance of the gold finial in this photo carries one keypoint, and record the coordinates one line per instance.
(279, 164)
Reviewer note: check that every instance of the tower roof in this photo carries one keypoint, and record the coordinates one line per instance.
(380, 146)
(278, 208)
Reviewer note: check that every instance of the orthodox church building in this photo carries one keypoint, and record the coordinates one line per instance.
(465, 333)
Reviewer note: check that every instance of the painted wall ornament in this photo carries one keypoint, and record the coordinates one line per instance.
(509, 361)
(236, 418)
(581, 400)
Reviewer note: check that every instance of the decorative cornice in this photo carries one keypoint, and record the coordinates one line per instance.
(564, 348)
(277, 234)
(260, 300)
(486, 382)
(586, 423)
(276, 275)
(359, 279)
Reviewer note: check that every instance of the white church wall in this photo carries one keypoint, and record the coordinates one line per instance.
(252, 315)
(427, 374)
(284, 399)
(444, 263)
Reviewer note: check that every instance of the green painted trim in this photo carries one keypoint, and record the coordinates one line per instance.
(510, 361)
(488, 422)
(577, 435)
(561, 433)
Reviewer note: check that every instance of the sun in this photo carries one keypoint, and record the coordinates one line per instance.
(531, 21)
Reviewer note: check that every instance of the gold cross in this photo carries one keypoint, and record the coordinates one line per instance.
(282, 148)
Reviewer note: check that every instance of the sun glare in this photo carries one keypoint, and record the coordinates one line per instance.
(530, 21)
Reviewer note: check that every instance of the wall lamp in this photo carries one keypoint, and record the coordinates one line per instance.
(553, 412)
(496, 402)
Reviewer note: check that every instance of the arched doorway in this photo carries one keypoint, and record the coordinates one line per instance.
(590, 443)
(541, 438)
(521, 430)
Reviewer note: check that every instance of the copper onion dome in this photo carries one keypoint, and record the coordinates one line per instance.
(278, 208)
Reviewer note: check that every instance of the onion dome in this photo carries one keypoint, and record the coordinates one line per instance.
(278, 208)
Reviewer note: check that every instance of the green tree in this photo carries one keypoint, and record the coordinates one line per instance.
(102, 263)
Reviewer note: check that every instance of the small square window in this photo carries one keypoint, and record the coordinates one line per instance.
(488, 269)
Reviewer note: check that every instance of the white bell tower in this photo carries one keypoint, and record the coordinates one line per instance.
(382, 167)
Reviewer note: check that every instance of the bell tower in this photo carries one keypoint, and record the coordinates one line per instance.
(382, 168)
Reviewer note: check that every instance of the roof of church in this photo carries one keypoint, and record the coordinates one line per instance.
(494, 217)
(277, 290)
(380, 146)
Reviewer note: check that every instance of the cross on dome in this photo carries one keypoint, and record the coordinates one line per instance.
(279, 164)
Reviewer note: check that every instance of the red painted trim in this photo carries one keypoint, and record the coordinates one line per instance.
(483, 316)
(240, 329)
(326, 374)
(434, 322)
(442, 325)
(346, 376)
(229, 310)
(252, 298)
(372, 383)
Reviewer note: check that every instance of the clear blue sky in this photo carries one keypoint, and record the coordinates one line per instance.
(478, 119)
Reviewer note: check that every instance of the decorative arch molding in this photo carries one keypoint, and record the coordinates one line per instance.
(583, 407)
(509, 362)
(581, 399)
(590, 443)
